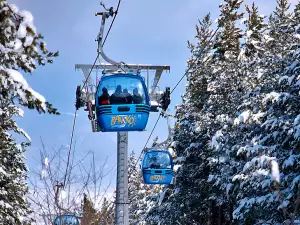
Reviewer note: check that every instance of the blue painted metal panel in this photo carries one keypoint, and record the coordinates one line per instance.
(152, 177)
(110, 120)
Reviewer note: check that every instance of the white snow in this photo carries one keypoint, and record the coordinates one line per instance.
(239, 177)
(275, 97)
(297, 36)
(25, 134)
(243, 117)
(62, 195)
(18, 77)
(228, 187)
(198, 129)
(2, 171)
(21, 31)
(256, 117)
(296, 125)
(210, 177)
(260, 73)
(46, 162)
(275, 171)
(13, 8)
(161, 197)
(153, 103)
(43, 174)
(176, 167)
(20, 112)
(18, 45)
(214, 141)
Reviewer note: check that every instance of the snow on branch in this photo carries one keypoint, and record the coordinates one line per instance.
(21, 86)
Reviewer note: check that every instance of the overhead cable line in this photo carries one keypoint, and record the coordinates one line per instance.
(116, 12)
(148, 140)
(187, 71)
(74, 122)
(75, 114)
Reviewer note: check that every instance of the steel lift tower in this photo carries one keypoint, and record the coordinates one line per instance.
(122, 203)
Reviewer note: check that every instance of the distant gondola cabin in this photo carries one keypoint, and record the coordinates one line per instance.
(157, 167)
(66, 219)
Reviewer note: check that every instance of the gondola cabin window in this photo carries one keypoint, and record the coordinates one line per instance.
(121, 90)
(157, 160)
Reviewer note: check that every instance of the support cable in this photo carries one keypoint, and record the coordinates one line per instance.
(116, 12)
(148, 140)
(74, 122)
(85, 82)
(187, 71)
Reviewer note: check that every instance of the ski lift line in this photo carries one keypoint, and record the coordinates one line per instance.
(69, 153)
(147, 140)
(190, 67)
(116, 12)
(86, 79)
(74, 122)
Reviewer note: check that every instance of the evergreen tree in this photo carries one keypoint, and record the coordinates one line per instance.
(107, 213)
(239, 117)
(203, 133)
(255, 27)
(21, 49)
(296, 19)
(180, 205)
(270, 118)
(89, 215)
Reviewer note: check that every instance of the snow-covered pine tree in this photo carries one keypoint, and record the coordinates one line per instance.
(184, 204)
(255, 27)
(215, 86)
(273, 118)
(21, 49)
(296, 19)
(141, 196)
(252, 52)
(226, 86)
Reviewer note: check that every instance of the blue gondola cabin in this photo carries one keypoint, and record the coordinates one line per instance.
(157, 167)
(66, 219)
(122, 103)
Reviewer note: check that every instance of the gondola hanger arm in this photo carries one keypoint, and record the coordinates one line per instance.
(105, 15)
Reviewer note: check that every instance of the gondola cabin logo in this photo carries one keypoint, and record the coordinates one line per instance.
(157, 178)
(123, 121)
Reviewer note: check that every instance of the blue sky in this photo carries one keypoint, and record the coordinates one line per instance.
(148, 32)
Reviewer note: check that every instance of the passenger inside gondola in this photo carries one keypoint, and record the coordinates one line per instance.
(127, 96)
(117, 98)
(137, 98)
(160, 160)
(104, 98)
(154, 164)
